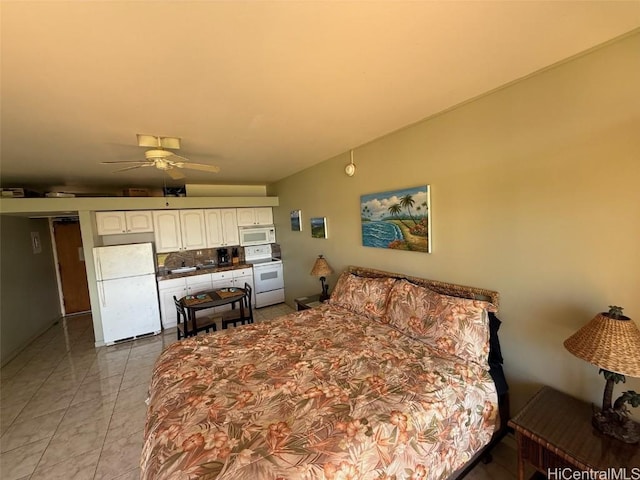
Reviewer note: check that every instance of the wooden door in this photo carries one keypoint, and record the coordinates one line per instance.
(73, 274)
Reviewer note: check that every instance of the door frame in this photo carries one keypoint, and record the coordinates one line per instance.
(57, 266)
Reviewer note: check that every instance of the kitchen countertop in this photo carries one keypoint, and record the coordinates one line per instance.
(163, 274)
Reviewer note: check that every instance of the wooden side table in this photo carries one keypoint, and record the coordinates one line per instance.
(303, 303)
(554, 434)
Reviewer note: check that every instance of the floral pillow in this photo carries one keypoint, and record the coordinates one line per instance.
(362, 295)
(455, 326)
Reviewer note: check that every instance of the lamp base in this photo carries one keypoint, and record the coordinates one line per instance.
(617, 426)
(324, 296)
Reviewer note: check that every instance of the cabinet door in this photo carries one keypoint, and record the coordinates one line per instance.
(139, 221)
(246, 216)
(213, 225)
(264, 216)
(218, 283)
(242, 276)
(111, 223)
(166, 228)
(200, 283)
(255, 216)
(193, 230)
(167, 307)
(230, 227)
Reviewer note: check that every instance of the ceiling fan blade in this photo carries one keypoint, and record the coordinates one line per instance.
(140, 162)
(128, 168)
(177, 158)
(174, 174)
(198, 166)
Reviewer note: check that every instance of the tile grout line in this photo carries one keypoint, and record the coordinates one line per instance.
(66, 409)
(104, 440)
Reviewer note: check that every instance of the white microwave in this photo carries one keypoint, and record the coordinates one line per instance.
(257, 235)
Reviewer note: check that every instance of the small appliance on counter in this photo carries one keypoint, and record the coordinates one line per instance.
(126, 281)
(223, 257)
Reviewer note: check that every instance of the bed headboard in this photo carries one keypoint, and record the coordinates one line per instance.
(440, 287)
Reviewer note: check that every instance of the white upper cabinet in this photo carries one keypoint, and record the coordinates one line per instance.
(135, 221)
(222, 227)
(213, 224)
(230, 227)
(167, 230)
(192, 228)
(139, 221)
(255, 216)
(177, 230)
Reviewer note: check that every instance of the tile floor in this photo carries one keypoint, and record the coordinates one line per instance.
(71, 411)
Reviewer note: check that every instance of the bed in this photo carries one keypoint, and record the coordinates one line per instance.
(396, 377)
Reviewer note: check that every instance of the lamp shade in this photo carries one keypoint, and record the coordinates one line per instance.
(612, 344)
(321, 268)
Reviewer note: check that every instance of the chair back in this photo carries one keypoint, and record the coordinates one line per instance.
(183, 324)
(247, 301)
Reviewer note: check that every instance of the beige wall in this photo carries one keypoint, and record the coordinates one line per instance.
(28, 287)
(535, 193)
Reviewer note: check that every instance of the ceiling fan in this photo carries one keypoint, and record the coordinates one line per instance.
(163, 159)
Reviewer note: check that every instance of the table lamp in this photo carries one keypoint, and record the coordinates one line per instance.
(611, 341)
(321, 269)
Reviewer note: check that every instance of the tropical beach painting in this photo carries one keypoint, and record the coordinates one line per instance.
(399, 219)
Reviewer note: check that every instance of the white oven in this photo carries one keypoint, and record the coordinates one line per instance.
(268, 282)
(262, 235)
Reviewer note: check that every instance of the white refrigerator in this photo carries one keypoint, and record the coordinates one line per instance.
(127, 290)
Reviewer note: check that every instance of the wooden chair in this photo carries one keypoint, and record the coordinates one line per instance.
(187, 328)
(242, 314)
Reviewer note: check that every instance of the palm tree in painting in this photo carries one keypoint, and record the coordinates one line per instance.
(395, 210)
(407, 202)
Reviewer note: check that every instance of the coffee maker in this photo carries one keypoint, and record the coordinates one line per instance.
(223, 256)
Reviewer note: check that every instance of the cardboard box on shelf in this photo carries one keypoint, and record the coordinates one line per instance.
(12, 192)
(136, 192)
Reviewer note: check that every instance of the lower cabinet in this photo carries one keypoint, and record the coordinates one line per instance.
(179, 287)
(242, 276)
(167, 289)
(196, 284)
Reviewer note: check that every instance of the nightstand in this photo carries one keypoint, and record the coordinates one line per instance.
(554, 434)
(303, 303)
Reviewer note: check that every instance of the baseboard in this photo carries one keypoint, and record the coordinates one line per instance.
(16, 351)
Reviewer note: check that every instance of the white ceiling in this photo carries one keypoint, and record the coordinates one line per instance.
(262, 89)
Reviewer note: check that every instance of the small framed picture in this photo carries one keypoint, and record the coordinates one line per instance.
(319, 227)
(296, 221)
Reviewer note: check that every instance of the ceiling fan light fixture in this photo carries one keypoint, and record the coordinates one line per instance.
(157, 154)
(158, 142)
(162, 164)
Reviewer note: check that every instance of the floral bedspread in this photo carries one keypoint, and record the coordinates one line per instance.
(317, 394)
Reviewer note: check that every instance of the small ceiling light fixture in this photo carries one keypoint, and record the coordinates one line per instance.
(350, 169)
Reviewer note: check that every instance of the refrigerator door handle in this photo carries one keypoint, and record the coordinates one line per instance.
(103, 300)
(99, 267)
